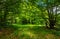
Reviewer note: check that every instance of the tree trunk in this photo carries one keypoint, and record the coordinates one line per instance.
(51, 24)
(3, 19)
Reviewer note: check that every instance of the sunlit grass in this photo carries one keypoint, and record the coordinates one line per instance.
(27, 25)
(35, 32)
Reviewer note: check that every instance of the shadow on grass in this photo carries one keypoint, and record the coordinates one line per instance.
(39, 29)
(44, 30)
(36, 32)
(5, 31)
(56, 32)
(26, 32)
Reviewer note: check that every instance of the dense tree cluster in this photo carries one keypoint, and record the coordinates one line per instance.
(43, 12)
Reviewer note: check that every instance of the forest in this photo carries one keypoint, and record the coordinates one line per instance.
(29, 19)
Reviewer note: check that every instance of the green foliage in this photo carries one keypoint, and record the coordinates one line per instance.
(29, 18)
(28, 11)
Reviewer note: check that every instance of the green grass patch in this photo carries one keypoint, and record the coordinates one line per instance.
(35, 32)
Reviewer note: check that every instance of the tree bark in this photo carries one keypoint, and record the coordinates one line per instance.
(52, 24)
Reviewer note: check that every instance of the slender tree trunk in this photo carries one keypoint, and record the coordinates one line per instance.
(3, 20)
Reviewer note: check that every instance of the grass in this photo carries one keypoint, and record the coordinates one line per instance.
(28, 32)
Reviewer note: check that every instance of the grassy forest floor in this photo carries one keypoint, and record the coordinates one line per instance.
(29, 32)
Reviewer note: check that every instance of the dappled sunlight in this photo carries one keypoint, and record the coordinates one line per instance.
(29, 19)
(30, 34)
(35, 32)
(6, 32)
(50, 36)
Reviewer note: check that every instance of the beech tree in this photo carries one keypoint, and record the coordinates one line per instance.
(49, 6)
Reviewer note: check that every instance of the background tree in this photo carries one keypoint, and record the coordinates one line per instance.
(6, 7)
